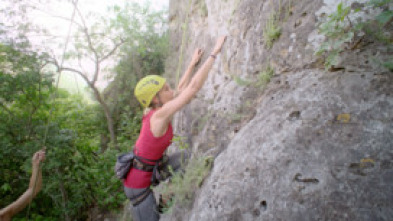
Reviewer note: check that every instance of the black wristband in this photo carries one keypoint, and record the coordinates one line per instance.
(213, 56)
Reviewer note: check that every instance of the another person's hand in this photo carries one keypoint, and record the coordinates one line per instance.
(217, 48)
(38, 157)
(197, 56)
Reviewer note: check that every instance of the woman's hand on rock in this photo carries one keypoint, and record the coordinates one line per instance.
(217, 48)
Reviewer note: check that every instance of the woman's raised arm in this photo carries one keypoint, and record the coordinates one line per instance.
(185, 80)
(171, 107)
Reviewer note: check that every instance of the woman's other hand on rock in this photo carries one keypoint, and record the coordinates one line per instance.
(197, 56)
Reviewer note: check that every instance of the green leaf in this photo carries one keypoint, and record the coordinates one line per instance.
(348, 37)
(388, 65)
(384, 17)
(325, 46)
(379, 3)
(5, 187)
(339, 8)
(359, 26)
(338, 44)
(242, 82)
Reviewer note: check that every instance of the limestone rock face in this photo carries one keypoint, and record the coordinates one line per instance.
(310, 153)
(312, 144)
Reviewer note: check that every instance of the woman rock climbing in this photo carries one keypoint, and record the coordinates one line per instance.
(154, 93)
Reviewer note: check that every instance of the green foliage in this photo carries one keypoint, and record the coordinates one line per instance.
(271, 31)
(263, 79)
(203, 11)
(143, 28)
(128, 127)
(183, 185)
(107, 188)
(379, 3)
(236, 118)
(340, 31)
(337, 33)
(242, 82)
(146, 35)
(264, 76)
(24, 102)
(388, 65)
(180, 142)
(384, 17)
(75, 177)
(203, 120)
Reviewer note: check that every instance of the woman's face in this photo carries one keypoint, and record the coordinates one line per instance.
(166, 93)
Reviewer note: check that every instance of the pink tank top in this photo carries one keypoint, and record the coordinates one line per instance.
(149, 147)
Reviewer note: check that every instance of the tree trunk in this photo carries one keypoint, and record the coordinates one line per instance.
(64, 197)
(108, 116)
(104, 142)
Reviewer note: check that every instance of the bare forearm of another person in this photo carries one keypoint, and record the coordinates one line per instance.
(35, 186)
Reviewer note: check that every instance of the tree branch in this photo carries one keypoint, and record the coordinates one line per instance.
(112, 51)
(96, 71)
(60, 17)
(86, 33)
(80, 73)
(90, 46)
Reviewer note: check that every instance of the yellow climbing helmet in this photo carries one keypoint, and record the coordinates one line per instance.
(147, 88)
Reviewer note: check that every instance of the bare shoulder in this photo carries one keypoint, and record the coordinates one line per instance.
(159, 123)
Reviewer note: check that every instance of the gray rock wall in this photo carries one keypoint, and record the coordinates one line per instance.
(310, 153)
(312, 145)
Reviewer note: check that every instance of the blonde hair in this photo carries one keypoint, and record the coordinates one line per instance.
(146, 110)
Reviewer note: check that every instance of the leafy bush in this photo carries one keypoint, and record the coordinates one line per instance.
(182, 186)
(262, 80)
(75, 177)
(336, 30)
(388, 65)
(271, 31)
(264, 76)
(77, 174)
(341, 32)
(241, 81)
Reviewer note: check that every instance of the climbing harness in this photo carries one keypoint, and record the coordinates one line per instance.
(125, 162)
(140, 164)
(130, 160)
